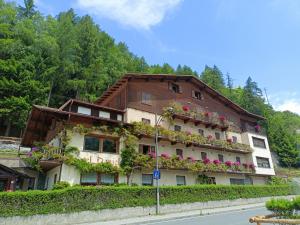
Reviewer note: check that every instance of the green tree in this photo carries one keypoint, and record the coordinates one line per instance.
(213, 77)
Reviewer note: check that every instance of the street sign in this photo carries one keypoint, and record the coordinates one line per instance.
(156, 174)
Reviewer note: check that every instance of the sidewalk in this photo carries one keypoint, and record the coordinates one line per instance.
(158, 218)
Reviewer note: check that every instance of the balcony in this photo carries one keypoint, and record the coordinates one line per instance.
(255, 129)
(142, 130)
(209, 119)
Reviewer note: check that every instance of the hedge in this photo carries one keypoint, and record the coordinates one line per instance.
(76, 199)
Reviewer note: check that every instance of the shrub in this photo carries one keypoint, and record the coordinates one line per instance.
(76, 199)
(61, 185)
(280, 206)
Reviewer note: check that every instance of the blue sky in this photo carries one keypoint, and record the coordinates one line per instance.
(245, 38)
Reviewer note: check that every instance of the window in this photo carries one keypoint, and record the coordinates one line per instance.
(147, 179)
(201, 132)
(237, 181)
(218, 136)
(91, 144)
(146, 98)
(180, 180)
(203, 179)
(234, 139)
(109, 146)
(107, 178)
(104, 114)
(221, 157)
(119, 117)
(203, 155)
(88, 178)
(177, 128)
(146, 149)
(146, 121)
(259, 142)
(174, 87)
(197, 95)
(263, 162)
(238, 159)
(179, 152)
(84, 110)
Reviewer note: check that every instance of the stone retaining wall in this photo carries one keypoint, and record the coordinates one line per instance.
(115, 214)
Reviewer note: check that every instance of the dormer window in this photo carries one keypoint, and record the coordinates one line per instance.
(197, 95)
(84, 110)
(175, 88)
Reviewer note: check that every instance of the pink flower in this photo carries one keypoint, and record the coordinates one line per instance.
(165, 155)
(188, 132)
(152, 154)
(217, 162)
(222, 118)
(257, 128)
(191, 158)
(210, 137)
(206, 161)
(207, 114)
(185, 108)
(245, 165)
(236, 163)
(251, 166)
(228, 163)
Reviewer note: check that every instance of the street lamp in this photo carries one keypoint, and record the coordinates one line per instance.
(157, 177)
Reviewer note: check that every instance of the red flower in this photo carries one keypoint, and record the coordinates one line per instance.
(185, 108)
(228, 163)
(245, 165)
(191, 158)
(229, 140)
(207, 114)
(206, 161)
(217, 162)
(237, 164)
(209, 137)
(251, 166)
(222, 118)
(165, 155)
(152, 154)
(257, 128)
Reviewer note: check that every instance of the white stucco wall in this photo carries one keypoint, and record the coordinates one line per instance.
(70, 174)
(259, 152)
(50, 177)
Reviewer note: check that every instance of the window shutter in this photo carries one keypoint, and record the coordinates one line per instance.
(179, 89)
(193, 94)
(140, 148)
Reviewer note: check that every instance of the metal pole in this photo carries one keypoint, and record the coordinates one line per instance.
(156, 157)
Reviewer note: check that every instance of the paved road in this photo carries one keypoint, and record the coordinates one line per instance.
(240, 217)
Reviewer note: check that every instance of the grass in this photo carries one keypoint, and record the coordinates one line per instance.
(289, 172)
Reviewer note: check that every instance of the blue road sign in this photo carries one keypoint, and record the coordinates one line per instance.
(156, 174)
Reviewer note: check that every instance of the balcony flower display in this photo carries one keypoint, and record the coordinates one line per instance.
(229, 140)
(165, 155)
(207, 114)
(251, 166)
(257, 128)
(188, 132)
(206, 161)
(152, 154)
(210, 137)
(217, 162)
(228, 163)
(222, 118)
(191, 159)
(245, 165)
(185, 108)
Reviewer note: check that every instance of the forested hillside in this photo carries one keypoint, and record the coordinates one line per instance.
(47, 60)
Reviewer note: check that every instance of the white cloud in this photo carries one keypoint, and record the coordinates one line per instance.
(292, 105)
(286, 101)
(141, 14)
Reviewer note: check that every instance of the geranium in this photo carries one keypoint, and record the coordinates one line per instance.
(222, 118)
(206, 161)
(207, 114)
(210, 137)
(228, 163)
(236, 163)
(185, 108)
(257, 128)
(251, 166)
(191, 158)
(179, 157)
(165, 155)
(229, 140)
(152, 154)
(245, 165)
(217, 162)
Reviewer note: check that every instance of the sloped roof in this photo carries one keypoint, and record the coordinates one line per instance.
(127, 77)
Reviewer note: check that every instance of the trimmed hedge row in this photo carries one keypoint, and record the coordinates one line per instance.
(76, 199)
